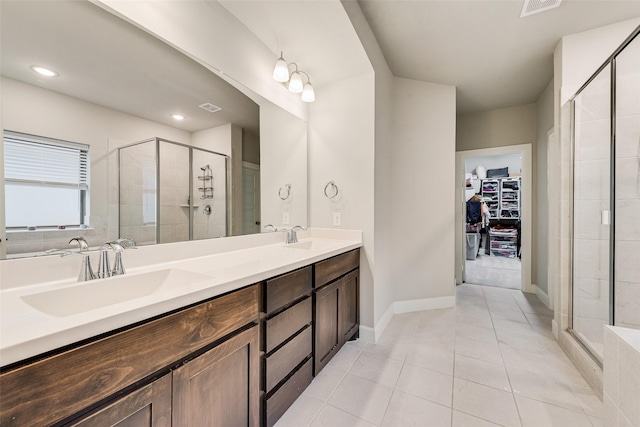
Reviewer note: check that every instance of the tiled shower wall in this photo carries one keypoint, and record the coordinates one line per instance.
(627, 268)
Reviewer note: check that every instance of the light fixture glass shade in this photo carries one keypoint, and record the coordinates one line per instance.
(308, 95)
(295, 82)
(281, 71)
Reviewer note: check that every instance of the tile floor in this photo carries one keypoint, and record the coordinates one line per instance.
(490, 361)
(491, 270)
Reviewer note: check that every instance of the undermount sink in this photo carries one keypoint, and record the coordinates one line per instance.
(310, 245)
(91, 295)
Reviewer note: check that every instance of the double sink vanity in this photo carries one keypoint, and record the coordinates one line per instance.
(217, 333)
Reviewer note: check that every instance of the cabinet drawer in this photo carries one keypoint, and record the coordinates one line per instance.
(278, 404)
(287, 323)
(332, 268)
(287, 288)
(283, 361)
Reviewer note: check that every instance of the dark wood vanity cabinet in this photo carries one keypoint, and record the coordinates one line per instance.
(287, 341)
(336, 295)
(239, 359)
(124, 373)
(148, 406)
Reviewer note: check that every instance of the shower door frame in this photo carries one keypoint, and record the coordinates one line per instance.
(157, 141)
(609, 62)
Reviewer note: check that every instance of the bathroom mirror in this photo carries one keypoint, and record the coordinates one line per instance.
(118, 85)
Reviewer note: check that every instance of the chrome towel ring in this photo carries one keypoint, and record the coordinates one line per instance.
(284, 193)
(331, 190)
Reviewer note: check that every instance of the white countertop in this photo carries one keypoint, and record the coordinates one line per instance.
(26, 331)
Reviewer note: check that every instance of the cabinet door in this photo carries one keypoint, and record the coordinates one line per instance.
(220, 387)
(327, 321)
(149, 406)
(349, 306)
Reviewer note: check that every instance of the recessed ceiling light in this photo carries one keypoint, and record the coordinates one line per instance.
(178, 116)
(44, 71)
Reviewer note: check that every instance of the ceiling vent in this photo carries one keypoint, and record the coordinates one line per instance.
(536, 6)
(207, 106)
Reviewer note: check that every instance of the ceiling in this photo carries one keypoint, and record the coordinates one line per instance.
(495, 58)
(104, 60)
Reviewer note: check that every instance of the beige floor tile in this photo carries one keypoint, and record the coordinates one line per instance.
(489, 352)
(597, 422)
(393, 351)
(427, 384)
(514, 316)
(431, 357)
(361, 397)
(516, 341)
(481, 372)
(537, 414)
(543, 388)
(325, 383)
(408, 410)
(503, 325)
(331, 416)
(485, 402)
(345, 358)
(482, 321)
(460, 419)
(475, 333)
(539, 319)
(301, 413)
(590, 402)
(380, 369)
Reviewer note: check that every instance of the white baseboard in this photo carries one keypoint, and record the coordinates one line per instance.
(543, 297)
(554, 328)
(423, 304)
(373, 334)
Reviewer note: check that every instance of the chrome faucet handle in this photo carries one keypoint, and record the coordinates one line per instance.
(104, 268)
(292, 236)
(270, 227)
(86, 272)
(60, 252)
(82, 243)
(127, 243)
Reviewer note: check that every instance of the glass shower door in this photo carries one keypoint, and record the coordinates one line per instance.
(591, 211)
(627, 194)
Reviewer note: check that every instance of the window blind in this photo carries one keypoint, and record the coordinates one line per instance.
(29, 159)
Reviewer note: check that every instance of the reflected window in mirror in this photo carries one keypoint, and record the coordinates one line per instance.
(46, 181)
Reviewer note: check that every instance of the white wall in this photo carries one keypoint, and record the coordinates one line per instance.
(496, 128)
(341, 149)
(216, 139)
(423, 176)
(283, 160)
(544, 115)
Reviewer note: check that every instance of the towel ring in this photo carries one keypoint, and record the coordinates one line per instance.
(334, 190)
(286, 191)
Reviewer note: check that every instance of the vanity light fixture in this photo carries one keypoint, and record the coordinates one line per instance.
(44, 71)
(178, 116)
(293, 80)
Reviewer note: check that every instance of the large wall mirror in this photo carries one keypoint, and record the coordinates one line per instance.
(96, 151)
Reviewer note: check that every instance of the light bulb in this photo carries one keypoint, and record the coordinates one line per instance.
(281, 70)
(308, 95)
(44, 71)
(178, 116)
(295, 83)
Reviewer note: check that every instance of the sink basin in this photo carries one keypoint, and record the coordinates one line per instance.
(87, 296)
(311, 245)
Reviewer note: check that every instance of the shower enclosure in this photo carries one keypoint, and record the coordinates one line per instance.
(170, 192)
(606, 199)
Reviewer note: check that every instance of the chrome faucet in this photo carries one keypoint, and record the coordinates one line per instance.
(86, 272)
(104, 268)
(125, 243)
(292, 236)
(270, 227)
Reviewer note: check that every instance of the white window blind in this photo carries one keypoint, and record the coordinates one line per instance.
(49, 162)
(46, 181)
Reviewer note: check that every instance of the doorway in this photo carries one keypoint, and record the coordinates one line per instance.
(507, 233)
(493, 214)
